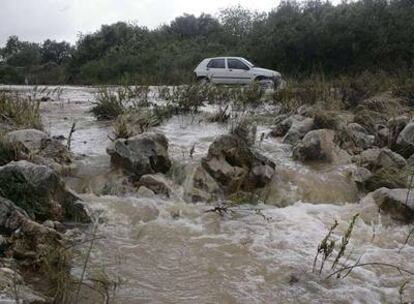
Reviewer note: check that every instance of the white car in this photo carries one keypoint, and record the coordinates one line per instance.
(234, 70)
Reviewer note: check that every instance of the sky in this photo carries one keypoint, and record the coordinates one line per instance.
(37, 20)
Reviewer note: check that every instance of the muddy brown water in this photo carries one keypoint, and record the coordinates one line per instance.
(248, 256)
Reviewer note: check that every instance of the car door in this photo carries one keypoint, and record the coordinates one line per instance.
(238, 71)
(216, 70)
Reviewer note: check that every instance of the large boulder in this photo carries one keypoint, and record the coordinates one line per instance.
(405, 141)
(30, 138)
(234, 165)
(146, 153)
(396, 203)
(375, 159)
(298, 130)
(40, 192)
(318, 145)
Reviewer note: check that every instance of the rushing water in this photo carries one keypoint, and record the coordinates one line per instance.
(168, 251)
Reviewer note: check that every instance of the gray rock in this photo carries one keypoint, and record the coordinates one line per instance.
(283, 123)
(10, 280)
(317, 145)
(389, 159)
(30, 138)
(360, 175)
(395, 203)
(145, 192)
(360, 136)
(298, 130)
(234, 165)
(375, 159)
(146, 153)
(40, 192)
(368, 158)
(405, 141)
(199, 186)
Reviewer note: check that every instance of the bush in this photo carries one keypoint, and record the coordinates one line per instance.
(325, 119)
(109, 104)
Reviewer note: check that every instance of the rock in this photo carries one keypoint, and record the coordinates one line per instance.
(317, 145)
(367, 159)
(389, 159)
(298, 130)
(360, 136)
(30, 138)
(395, 203)
(156, 183)
(374, 159)
(305, 110)
(360, 175)
(51, 148)
(146, 153)
(199, 186)
(283, 123)
(405, 141)
(232, 163)
(40, 192)
(145, 192)
(10, 281)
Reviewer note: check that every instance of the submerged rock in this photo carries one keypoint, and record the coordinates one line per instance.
(234, 165)
(40, 192)
(157, 183)
(318, 145)
(146, 153)
(396, 203)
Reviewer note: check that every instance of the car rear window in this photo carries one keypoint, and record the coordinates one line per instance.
(236, 64)
(216, 64)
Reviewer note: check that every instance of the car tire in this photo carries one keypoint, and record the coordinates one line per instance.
(203, 81)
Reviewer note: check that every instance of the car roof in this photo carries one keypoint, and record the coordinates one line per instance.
(225, 57)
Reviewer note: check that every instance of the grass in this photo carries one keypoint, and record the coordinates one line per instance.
(20, 112)
(109, 104)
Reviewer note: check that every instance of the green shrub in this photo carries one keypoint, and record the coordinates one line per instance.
(109, 104)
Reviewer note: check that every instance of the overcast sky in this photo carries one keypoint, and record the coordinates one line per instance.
(37, 20)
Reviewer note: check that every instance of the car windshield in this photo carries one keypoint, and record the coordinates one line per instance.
(247, 62)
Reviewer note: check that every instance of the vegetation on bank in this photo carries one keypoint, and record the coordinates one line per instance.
(296, 38)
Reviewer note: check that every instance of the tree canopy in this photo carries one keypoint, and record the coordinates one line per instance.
(295, 38)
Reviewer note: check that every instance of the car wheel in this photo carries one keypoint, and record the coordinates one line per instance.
(203, 81)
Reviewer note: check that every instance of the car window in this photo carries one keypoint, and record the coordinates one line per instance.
(216, 64)
(236, 64)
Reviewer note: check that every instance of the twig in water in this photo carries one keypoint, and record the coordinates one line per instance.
(400, 270)
(72, 130)
(85, 264)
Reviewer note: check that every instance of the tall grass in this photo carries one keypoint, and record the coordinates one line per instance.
(20, 112)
